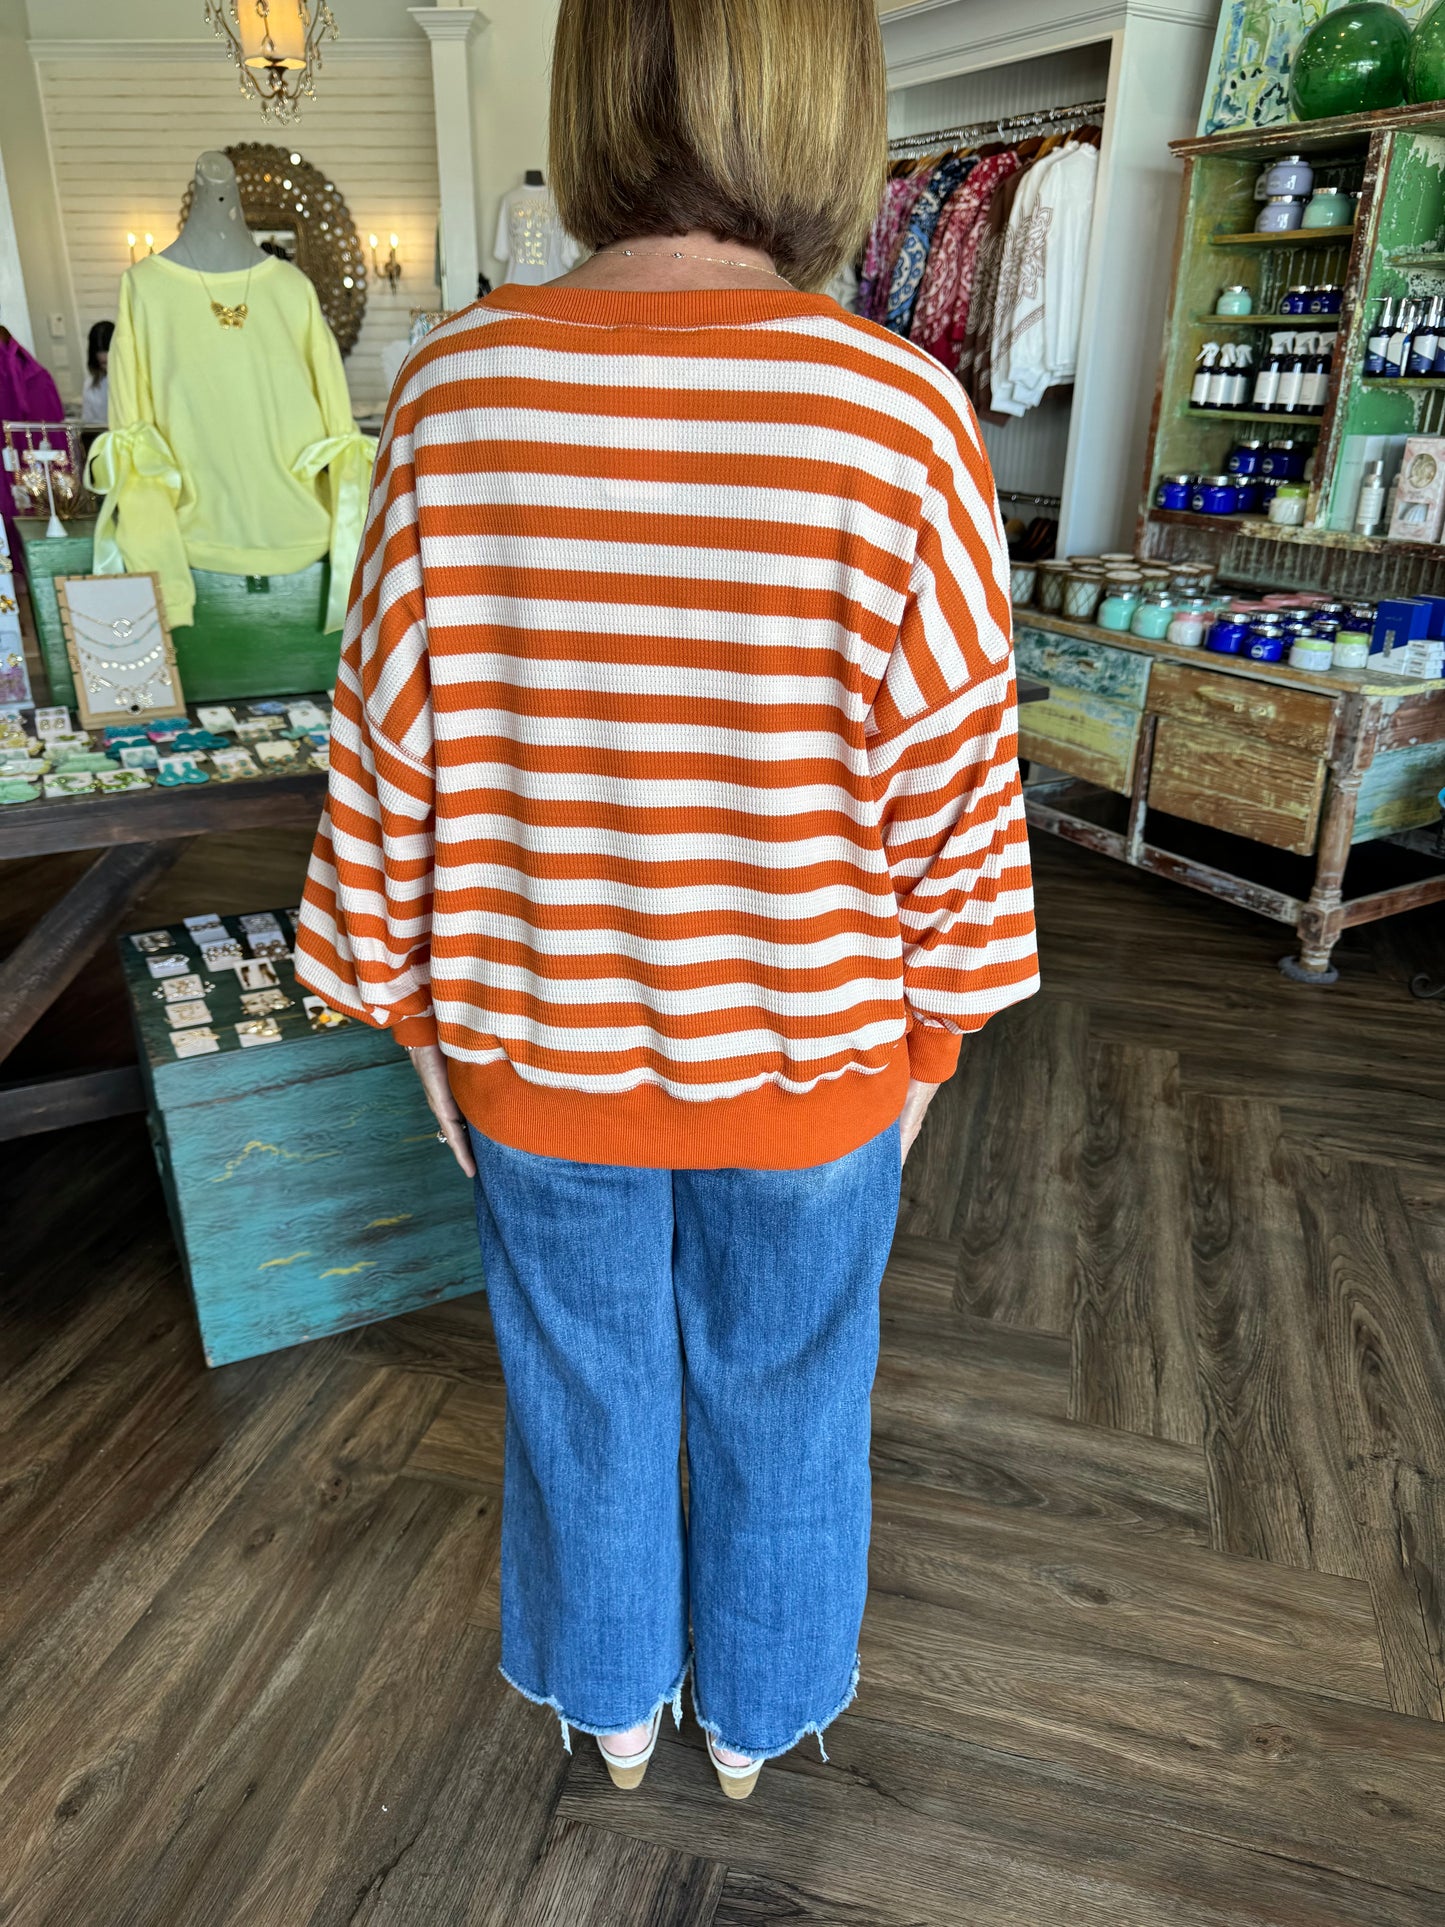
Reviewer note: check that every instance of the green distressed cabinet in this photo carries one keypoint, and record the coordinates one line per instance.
(305, 1183)
(254, 635)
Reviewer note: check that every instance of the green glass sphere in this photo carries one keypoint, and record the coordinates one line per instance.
(1351, 62)
(1425, 64)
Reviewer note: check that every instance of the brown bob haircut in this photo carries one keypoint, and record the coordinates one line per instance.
(763, 122)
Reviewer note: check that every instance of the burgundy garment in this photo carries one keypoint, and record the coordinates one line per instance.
(27, 394)
(940, 320)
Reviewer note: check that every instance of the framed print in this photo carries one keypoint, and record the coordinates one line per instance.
(119, 647)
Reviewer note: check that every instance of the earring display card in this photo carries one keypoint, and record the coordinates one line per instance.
(120, 648)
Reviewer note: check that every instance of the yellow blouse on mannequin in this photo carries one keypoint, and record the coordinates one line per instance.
(232, 444)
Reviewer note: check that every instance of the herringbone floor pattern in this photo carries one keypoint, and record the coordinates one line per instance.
(1157, 1626)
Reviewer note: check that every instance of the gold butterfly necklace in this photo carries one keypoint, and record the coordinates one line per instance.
(227, 317)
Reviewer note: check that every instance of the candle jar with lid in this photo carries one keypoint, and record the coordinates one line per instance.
(1287, 510)
(1173, 492)
(1152, 615)
(1083, 592)
(1228, 635)
(1246, 457)
(1190, 622)
(1281, 214)
(1050, 587)
(1290, 174)
(1215, 495)
(1328, 207)
(1284, 460)
(1234, 300)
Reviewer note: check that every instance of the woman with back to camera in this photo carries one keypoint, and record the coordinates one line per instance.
(675, 829)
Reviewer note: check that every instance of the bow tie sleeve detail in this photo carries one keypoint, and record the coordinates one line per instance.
(347, 459)
(135, 470)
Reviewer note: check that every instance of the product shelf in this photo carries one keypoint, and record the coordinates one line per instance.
(1300, 237)
(1267, 320)
(1259, 528)
(1251, 415)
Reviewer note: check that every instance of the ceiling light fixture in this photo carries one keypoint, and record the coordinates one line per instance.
(276, 46)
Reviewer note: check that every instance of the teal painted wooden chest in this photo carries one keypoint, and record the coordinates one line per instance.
(254, 635)
(305, 1183)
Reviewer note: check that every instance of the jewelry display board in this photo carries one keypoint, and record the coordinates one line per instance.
(119, 647)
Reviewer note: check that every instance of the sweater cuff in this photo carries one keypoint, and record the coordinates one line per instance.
(933, 1054)
(412, 1032)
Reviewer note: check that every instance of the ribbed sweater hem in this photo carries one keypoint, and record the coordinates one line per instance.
(768, 1129)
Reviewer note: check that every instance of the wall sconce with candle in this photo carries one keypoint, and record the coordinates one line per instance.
(130, 241)
(389, 269)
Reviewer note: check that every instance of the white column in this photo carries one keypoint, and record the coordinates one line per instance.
(14, 309)
(450, 29)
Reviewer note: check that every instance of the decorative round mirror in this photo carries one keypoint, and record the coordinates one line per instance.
(295, 212)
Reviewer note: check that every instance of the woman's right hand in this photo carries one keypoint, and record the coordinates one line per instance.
(430, 1065)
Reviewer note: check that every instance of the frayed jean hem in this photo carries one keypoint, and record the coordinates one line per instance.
(816, 1727)
(673, 1697)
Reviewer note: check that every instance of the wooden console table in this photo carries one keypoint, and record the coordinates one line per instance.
(139, 836)
(1292, 759)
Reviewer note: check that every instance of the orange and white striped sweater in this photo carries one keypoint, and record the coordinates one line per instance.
(674, 782)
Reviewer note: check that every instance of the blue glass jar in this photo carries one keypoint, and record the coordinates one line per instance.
(1284, 461)
(1245, 458)
(1327, 300)
(1269, 647)
(1251, 498)
(1296, 301)
(1173, 492)
(1215, 495)
(1228, 636)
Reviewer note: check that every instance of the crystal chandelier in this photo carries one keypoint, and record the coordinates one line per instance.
(276, 45)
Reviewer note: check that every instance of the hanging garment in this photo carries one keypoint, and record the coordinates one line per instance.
(974, 365)
(1041, 285)
(917, 238)
(843, 288)
(940, 315)
(886, 239)
(221, 435)
(1020, 282)
(531, 238)
(27, 394)
(1072, 187)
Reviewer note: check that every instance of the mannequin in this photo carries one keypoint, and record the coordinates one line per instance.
(530, 238)
(232, 446)
(215, 239)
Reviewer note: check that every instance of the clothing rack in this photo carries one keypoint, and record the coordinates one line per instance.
(1025, 500)
(944, 137)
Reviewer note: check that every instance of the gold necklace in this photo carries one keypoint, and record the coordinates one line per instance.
(714, 260)
(227, 317)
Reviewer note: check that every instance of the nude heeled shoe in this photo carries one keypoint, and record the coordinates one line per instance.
(737, 1782)
(627, 1769)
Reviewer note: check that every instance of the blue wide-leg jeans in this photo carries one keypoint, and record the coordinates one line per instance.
(616, 1294)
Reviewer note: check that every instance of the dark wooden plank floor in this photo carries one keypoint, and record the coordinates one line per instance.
(1157, 1626)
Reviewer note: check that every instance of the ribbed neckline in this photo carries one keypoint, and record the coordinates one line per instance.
(651, 308)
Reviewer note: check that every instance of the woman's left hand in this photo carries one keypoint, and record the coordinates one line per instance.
(430, 1065)
(915, 1109)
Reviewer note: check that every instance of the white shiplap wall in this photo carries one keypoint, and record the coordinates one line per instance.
(126, 123)
(1030, 453)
